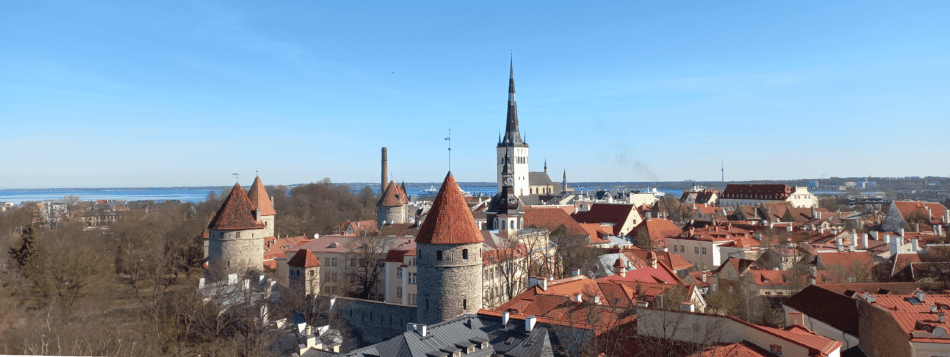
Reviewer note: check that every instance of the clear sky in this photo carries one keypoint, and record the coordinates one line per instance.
(167, 93)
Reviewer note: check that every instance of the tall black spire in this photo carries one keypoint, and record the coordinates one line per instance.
(512, 133)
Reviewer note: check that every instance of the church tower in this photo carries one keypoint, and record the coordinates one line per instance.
(512, 140)
(260, 201)
(449, 250)
(505, 211)
(236, 236)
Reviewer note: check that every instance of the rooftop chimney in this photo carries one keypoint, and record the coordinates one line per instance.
(529, 323)
(864, 240)
(704, 277)
(914, 245)
(201, 283)
(578, 298)
(921, 296)
(575, 272)
(543, 284)
(504, 318)
(896, 245)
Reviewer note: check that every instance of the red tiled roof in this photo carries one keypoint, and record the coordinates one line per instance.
(392, 196)
(235, 213)
(672, 260)
(739, 349)
(912, 317)
(606, 213)
(304, 259)
(908, 208)
(847, 259)
(449, 220)
(259, 199)
(595, 230)
(396, 254)
(551, 219)
(905, 288)
(658, 229)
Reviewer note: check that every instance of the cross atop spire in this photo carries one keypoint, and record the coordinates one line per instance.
(512, 135)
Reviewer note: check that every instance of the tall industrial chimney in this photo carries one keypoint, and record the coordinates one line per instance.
(383, 178)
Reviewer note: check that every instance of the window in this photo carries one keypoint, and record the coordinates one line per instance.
(438, 255)
(704, 250)
(729, 273)
(237, 235)
(696, 250)
(399, 292)
(730, 288)
(399, 273)
(464, 253)
(682, 249)
(674, 248)
(412, 261)
(464, 304)
(412, 299)
(712, 287)
(352, 263)
(412, 278)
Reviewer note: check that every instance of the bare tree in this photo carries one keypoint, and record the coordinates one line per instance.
(364, 263)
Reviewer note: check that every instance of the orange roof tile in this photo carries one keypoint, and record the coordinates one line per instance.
(304, 259)
(259, 199)
(449, 220)
(551, 218)
(846, 259)
(235, 213)
(607, 213)
(392, 196)
(740, 349)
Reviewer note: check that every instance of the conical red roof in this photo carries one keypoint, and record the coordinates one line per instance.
(236, 213)
(259, 199)
(449, 221)
(304, 258)
(392, 196)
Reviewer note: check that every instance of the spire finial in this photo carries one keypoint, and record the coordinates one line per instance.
(512, 65)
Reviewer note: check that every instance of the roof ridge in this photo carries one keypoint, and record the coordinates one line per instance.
(235, 212)
(259, 199)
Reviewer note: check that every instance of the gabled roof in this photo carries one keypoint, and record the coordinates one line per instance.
(236, 213)
(672, 260)
(607, 213)
(658, 229)
(304, 259)
(849, 289)
(738, 349)
(846, 259)
(839, 311)
(392, 196)
(739, 264)
(550, 219)
(918, 208)
(449, 220)
(259, 199)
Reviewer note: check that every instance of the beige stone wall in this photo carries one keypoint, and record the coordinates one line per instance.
(450, 287)
(235, 251)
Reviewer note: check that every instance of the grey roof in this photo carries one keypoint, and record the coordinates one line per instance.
(461, 333)
(539, 178)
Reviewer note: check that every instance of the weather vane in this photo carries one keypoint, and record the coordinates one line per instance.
(236, 177)
(449, 138)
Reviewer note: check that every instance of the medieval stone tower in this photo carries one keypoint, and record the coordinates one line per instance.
(236, 236)
(393, 206)
(512, 141)
(449, 249)
(506, 211)
(304, 269)
(260, 201)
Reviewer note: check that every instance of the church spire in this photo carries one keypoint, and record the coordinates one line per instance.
(512, 133)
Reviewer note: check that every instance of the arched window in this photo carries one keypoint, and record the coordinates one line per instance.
(464, 304)
(438, 255)
(496, 223)
(511, 224)
(464, 253)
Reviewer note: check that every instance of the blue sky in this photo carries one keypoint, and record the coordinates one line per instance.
(103, 94)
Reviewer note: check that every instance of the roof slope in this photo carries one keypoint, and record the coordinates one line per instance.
(304, 259)
(259, 199)
(449, 220)
(235, 213)
(550, 219)
(392, 196)
(835, 309)
(606, 213)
